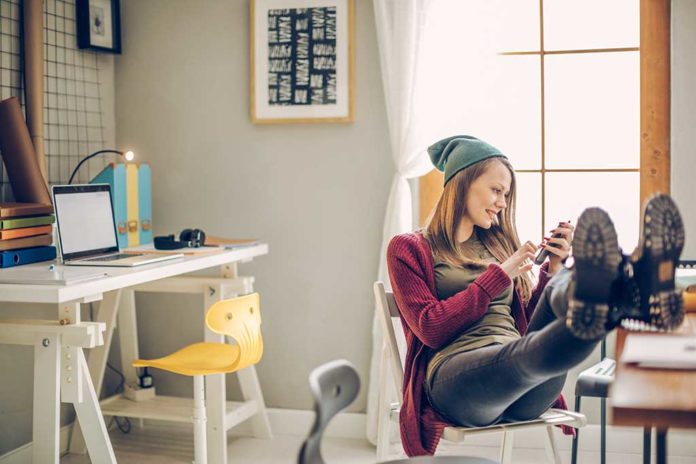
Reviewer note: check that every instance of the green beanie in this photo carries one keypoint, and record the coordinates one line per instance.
(455, 153)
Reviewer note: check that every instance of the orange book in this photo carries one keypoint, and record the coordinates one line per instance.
(10, 210)
(25, 232)
(26, 242)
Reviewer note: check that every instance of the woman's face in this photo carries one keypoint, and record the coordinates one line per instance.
(488, 196)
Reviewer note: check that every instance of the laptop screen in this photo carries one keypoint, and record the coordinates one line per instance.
(85, 220)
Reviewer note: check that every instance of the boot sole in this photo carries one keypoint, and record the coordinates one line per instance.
(662, 241)
(597, 257)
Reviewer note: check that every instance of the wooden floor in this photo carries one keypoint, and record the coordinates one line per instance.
(174, 445)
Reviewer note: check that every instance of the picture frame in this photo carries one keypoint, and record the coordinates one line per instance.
(99, 25)
(302, 61)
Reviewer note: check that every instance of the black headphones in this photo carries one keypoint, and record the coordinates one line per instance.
(188, 238)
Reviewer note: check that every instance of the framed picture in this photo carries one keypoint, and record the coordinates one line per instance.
(302, 57)
(99, 25)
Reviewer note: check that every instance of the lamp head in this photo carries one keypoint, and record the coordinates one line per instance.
(129, 155)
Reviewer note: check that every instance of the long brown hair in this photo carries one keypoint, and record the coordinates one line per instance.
(500, 239)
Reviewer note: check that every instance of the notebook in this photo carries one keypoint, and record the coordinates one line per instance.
(87, 231)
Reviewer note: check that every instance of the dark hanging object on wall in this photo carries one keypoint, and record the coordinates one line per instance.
(99, 27)
(33, 75)
(23, 170)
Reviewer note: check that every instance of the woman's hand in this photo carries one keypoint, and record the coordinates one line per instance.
(559, 253)
(520, 261)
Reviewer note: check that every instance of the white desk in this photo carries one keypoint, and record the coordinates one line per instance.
(59, 362)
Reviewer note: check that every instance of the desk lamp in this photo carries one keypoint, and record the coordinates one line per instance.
(128, 155)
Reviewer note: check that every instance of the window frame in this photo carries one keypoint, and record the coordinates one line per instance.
(654, 134)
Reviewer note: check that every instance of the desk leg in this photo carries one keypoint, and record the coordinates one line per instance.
(661, 446)
(128, 335)
(248, 379)
(251, 389)
(647, 438)
(215, 392)
(97, 358)
(46, 416)
(91, 419)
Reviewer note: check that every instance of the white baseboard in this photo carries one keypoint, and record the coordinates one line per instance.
(295, 422)
(22, 455)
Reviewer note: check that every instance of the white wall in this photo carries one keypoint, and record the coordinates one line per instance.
(315, 193)
(683, 115)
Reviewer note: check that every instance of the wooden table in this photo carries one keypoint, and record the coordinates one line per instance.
(656, 398)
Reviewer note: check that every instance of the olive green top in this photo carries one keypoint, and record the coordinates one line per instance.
(495, 327)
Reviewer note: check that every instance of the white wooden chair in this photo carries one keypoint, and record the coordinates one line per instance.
(389, 412)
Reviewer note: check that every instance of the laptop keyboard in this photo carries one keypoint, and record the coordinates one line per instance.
(114, 257)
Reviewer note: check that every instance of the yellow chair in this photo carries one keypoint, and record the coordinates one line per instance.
(238, 318)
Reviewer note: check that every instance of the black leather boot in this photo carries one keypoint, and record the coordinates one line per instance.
(654, 263)
(597, 265)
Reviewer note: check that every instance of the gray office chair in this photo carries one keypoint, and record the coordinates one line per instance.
(334, 386)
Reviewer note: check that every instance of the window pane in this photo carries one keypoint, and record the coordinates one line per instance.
(528, 206)
(591, 24)
(470, 88)
(592, 110)
(499, 103)
(568, 194)
(505, 25)
(513, 117)
(517, 27)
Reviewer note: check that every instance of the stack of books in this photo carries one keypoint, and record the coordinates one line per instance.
(26, 233)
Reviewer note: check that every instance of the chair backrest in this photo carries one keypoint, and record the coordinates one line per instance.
(386, 312)
(240, 319)
(334, 386)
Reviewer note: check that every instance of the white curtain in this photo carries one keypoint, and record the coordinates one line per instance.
(400, 25)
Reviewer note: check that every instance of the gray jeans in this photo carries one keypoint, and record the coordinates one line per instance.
(519, 380)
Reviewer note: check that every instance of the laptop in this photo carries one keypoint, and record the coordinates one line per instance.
(87, 230)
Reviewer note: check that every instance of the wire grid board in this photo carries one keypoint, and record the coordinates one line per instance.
(73, 125)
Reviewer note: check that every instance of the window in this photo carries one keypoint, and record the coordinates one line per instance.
(556, 86)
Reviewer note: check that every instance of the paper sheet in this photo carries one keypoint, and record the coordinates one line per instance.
(150, 248)
(660, 351)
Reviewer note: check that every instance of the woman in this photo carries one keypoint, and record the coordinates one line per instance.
(485, 344)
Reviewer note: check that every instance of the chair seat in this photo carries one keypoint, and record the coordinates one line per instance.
(595, 381)
(550, 417)
(197, 359)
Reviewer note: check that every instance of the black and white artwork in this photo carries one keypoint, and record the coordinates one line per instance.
(302, 56)
(302, 59)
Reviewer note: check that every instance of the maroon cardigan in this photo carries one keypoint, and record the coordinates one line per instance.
(430, 323)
